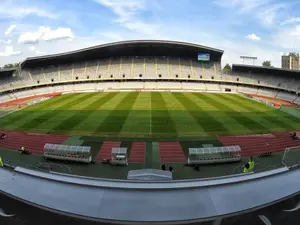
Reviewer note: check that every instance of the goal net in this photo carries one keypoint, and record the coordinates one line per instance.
(291, 157)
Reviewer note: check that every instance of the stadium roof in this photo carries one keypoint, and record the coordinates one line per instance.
(264, 69)
(8, 69)
(130, 48)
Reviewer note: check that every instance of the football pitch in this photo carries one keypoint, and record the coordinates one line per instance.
(149, 115)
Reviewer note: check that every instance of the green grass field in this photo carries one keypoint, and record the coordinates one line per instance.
(145, 114)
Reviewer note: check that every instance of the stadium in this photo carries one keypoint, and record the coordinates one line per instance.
(140, 105)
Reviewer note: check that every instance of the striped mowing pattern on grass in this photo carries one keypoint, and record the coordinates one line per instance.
(270, 117)
(154, 114)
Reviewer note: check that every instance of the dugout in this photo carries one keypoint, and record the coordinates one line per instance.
(214, 155)
(68, 152)
(119, 156)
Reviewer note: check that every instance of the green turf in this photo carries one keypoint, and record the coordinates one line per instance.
(293, 111)
(150, 116)
(73, 140)
(94, 143)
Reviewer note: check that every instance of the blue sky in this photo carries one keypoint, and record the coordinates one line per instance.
(262, 28)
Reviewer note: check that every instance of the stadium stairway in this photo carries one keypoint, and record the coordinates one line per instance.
(137, 153)
(31, 141)
(105, 150)
(171, 152)
(254, 145)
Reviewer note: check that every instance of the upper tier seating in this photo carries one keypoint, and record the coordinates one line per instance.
(92, 69)
(66, 72)
(143, 68)
(51, 74)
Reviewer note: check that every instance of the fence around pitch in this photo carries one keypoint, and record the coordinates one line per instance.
(291, 157)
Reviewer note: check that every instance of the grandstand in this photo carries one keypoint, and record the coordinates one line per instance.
(143, 64)
(162, 105)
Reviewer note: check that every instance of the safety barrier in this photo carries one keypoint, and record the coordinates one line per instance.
(95, 199)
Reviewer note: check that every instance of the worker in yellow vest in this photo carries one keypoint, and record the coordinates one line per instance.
(251, 163)
(1, 162)
(22, 149)
(249, 167)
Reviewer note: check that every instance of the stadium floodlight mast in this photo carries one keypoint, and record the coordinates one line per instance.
(248, 58)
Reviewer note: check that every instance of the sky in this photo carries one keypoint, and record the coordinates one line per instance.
(261, 28)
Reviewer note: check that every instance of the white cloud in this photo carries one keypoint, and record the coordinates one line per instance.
(9, 51)
(144, 28)
(125, 10)
(267, 12)
(7, 42)
(241, 5)
(10, 9)
(59, 33)
(10, 29)
(269, 15)
(288, 38)
(291, 20)
(253, 37)
(127, 16)
(29, 38)
(45, 34)
(31, 48)
(35, 51)
(38, 53)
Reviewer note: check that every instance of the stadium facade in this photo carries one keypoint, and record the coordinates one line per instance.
(146, 66)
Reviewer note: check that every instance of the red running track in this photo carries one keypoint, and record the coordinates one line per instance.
(22, 100)
(31, 141)
(254, 145)
(171, 152)
(137, 153)
(285, 102)
(105, 150)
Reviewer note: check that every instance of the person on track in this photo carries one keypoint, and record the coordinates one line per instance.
(24, 151)
(249, 167)
(3, 136)
(294, 135)
(171, 169)
(1, 162)
(251, 163)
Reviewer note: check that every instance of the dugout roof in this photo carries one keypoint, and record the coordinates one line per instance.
(128, 48)
(264, 70)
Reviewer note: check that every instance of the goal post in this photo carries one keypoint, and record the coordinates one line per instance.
(291, 157)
